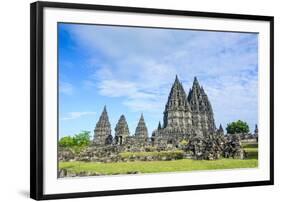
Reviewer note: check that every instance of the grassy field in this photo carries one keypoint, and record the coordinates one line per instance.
(252, 150)
(164, 166)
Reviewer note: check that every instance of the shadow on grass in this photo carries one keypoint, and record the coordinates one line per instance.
(252, 154)
(250, 145)
(251, 149)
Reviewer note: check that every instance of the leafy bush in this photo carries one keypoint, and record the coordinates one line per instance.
(77, 142)
(184, 142)
(66, 142)
(82, 139)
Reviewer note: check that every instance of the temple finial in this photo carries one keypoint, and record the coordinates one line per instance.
(177, 79)
(159, 126)
(196, 83)
(195, 80)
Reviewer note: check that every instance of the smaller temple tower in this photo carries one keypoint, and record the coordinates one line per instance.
(102, 132)
(121, 130)
(141, 132)
(159, 126)
(220, 131)
(256, 133)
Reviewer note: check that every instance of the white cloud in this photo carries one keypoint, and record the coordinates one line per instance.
(139, 66)
(233, 100)
(135, 96)
(76, 115)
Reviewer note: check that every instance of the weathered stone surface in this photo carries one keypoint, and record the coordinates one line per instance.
(68, 173)
(65, 154)
(233, 148)
(210, 147)
(177, 114)
(62, 173)
(121, 131)
(202, 113)
(107, 153)
(102, 130)
(141, 132)
(109, 140)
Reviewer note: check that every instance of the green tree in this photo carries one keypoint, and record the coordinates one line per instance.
(76, 143)
(82, 139)
(237, 127)
(66, 141)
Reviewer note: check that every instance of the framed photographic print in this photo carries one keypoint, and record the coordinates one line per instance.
(131, 100)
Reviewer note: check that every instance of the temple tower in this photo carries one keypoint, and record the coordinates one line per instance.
(202, 112)
(177, 114)
(256, 131)
(102, 132)
(141, 130)
(220, 131)
(121, 130)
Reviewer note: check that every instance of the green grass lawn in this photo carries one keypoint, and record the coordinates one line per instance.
(157, 166)
(164, 166)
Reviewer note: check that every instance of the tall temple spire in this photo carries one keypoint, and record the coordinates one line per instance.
(141, 130)
(104, 117)
(177, 96)
(104, 113)
(141, 118)
(176, 102)
(202, 112)
(102, 130)
(194, 95)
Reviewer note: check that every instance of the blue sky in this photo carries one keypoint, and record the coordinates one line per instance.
(131, 70)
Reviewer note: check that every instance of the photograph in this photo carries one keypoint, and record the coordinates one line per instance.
(140, 101)
(136, 100)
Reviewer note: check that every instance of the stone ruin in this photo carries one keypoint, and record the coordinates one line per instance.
(187, 119)
(121, 131)
(103, 130)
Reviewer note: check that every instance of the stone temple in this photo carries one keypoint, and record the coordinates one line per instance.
(103, 129)
(185, 117)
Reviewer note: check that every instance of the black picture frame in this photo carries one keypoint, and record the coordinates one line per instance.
(36, 98)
